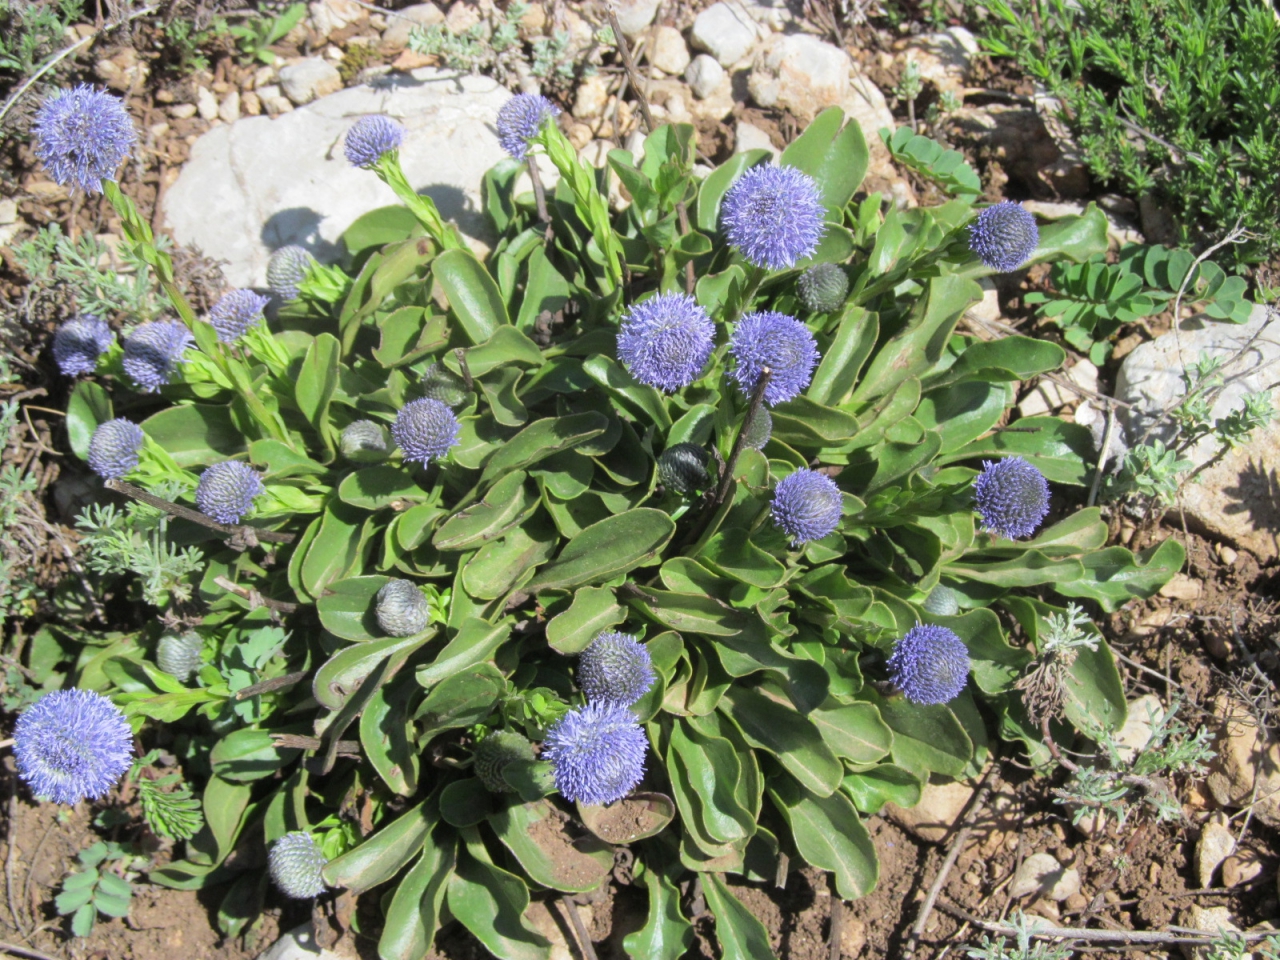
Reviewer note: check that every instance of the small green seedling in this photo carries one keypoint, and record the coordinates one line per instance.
(95, 889)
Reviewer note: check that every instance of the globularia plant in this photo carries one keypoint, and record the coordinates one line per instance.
(622, 530)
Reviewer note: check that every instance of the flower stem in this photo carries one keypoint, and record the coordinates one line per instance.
(424, 208)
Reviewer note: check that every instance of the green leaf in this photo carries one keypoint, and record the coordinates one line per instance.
(490, 902)
(769, 723)
(606, 549)
(836, 157)
(844, 356)
(506, 503)
(475, 642)
(507, 346)
(829, 834)
(964, 411)
(704, 781)
(413, 916)
(380, 857)
(279, 461)
(853, 731)
(628, 820)
(500, 565)
(348, 608)
(1009, 358)
(82, 922)
(249, 755)
(1115, 576)
(196, 434)
(373, 488)
(1028, 570)
(636, 397)
(466, 802)
(1062, 451)
(804, 423)
(88, 407)
(384, 736)
(666, 935)
(543, 438)
(552, 855)
(592, 611)
(408, 335)
(474, 297)
(741, 935)
(460, 700)
(225, 804)
(342, 674)
(732, 553)
(884, 783)
(926, 737)
(339, 548)
(316, 382)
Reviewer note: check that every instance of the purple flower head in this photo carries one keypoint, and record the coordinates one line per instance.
(370, 137)
(78, 344)
(596, 753)
(615, 668)
(153, 351)
(666, 340)
(1004, 236)
(72, 744)
(929, 664)
(806, 505)
(114, 448)
(1012, 497)
(521, 119)
(82, 136)
(227, 489)
(779, 342)
(773, 216)
(425, 430)
(295, 862)
(236, 312)
(286, 269)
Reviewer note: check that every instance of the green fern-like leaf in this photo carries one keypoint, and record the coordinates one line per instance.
(175, 814)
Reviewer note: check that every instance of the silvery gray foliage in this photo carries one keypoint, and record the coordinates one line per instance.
(402, 608)
(493, 753)
(365, 441)
(295, 862)
(179, 654)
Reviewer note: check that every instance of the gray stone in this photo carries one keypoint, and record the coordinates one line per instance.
(939, 808)
(396, 37)
(725, 32)
(309, 80)
(748, 136)
(1235, 499)
(669, 52)
(1043, 876)
(1136, 731)
(944, 58)
(1211, 920)
(799, 73)
(1216, 843)
(775, 15)
(704, 75)
(229, 109)
(206, 104)
(330, 15)
(260, 184)
(298, 944)
(635, 15)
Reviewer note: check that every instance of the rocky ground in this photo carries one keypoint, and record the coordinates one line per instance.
(245, 157)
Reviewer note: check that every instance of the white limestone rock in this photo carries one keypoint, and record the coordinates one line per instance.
(726, 32)
(260, 184)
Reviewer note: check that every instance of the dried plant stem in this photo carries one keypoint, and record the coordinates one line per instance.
(25, 952)
(254, 597)
(275, 683)
(757, 400)
(539, 191)
(1103, 454)
(579, 928)
(246, 534)
(9, 859)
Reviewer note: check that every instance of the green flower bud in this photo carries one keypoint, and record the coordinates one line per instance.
(683, 468)
(823, 288)
(493, 753)
(402, 609)
(441, 383)
(179, 655)
(365, 442)
(942, 602)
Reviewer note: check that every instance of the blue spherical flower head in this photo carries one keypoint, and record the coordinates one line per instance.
(286, 270)
(521, 119)
(370, 137)
(1004, 236)
(806, 505)
(596, 752)
(78, 344)
(929, 664)
(82, 136)
(779, 342)
(425, 430)
(236, 312)
(773, 216)
(72, 744)
(227, 489)
(114, 448)
(615, 668)
(295, 862)
(153, 352)
(1012, 497)
(666, 340)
